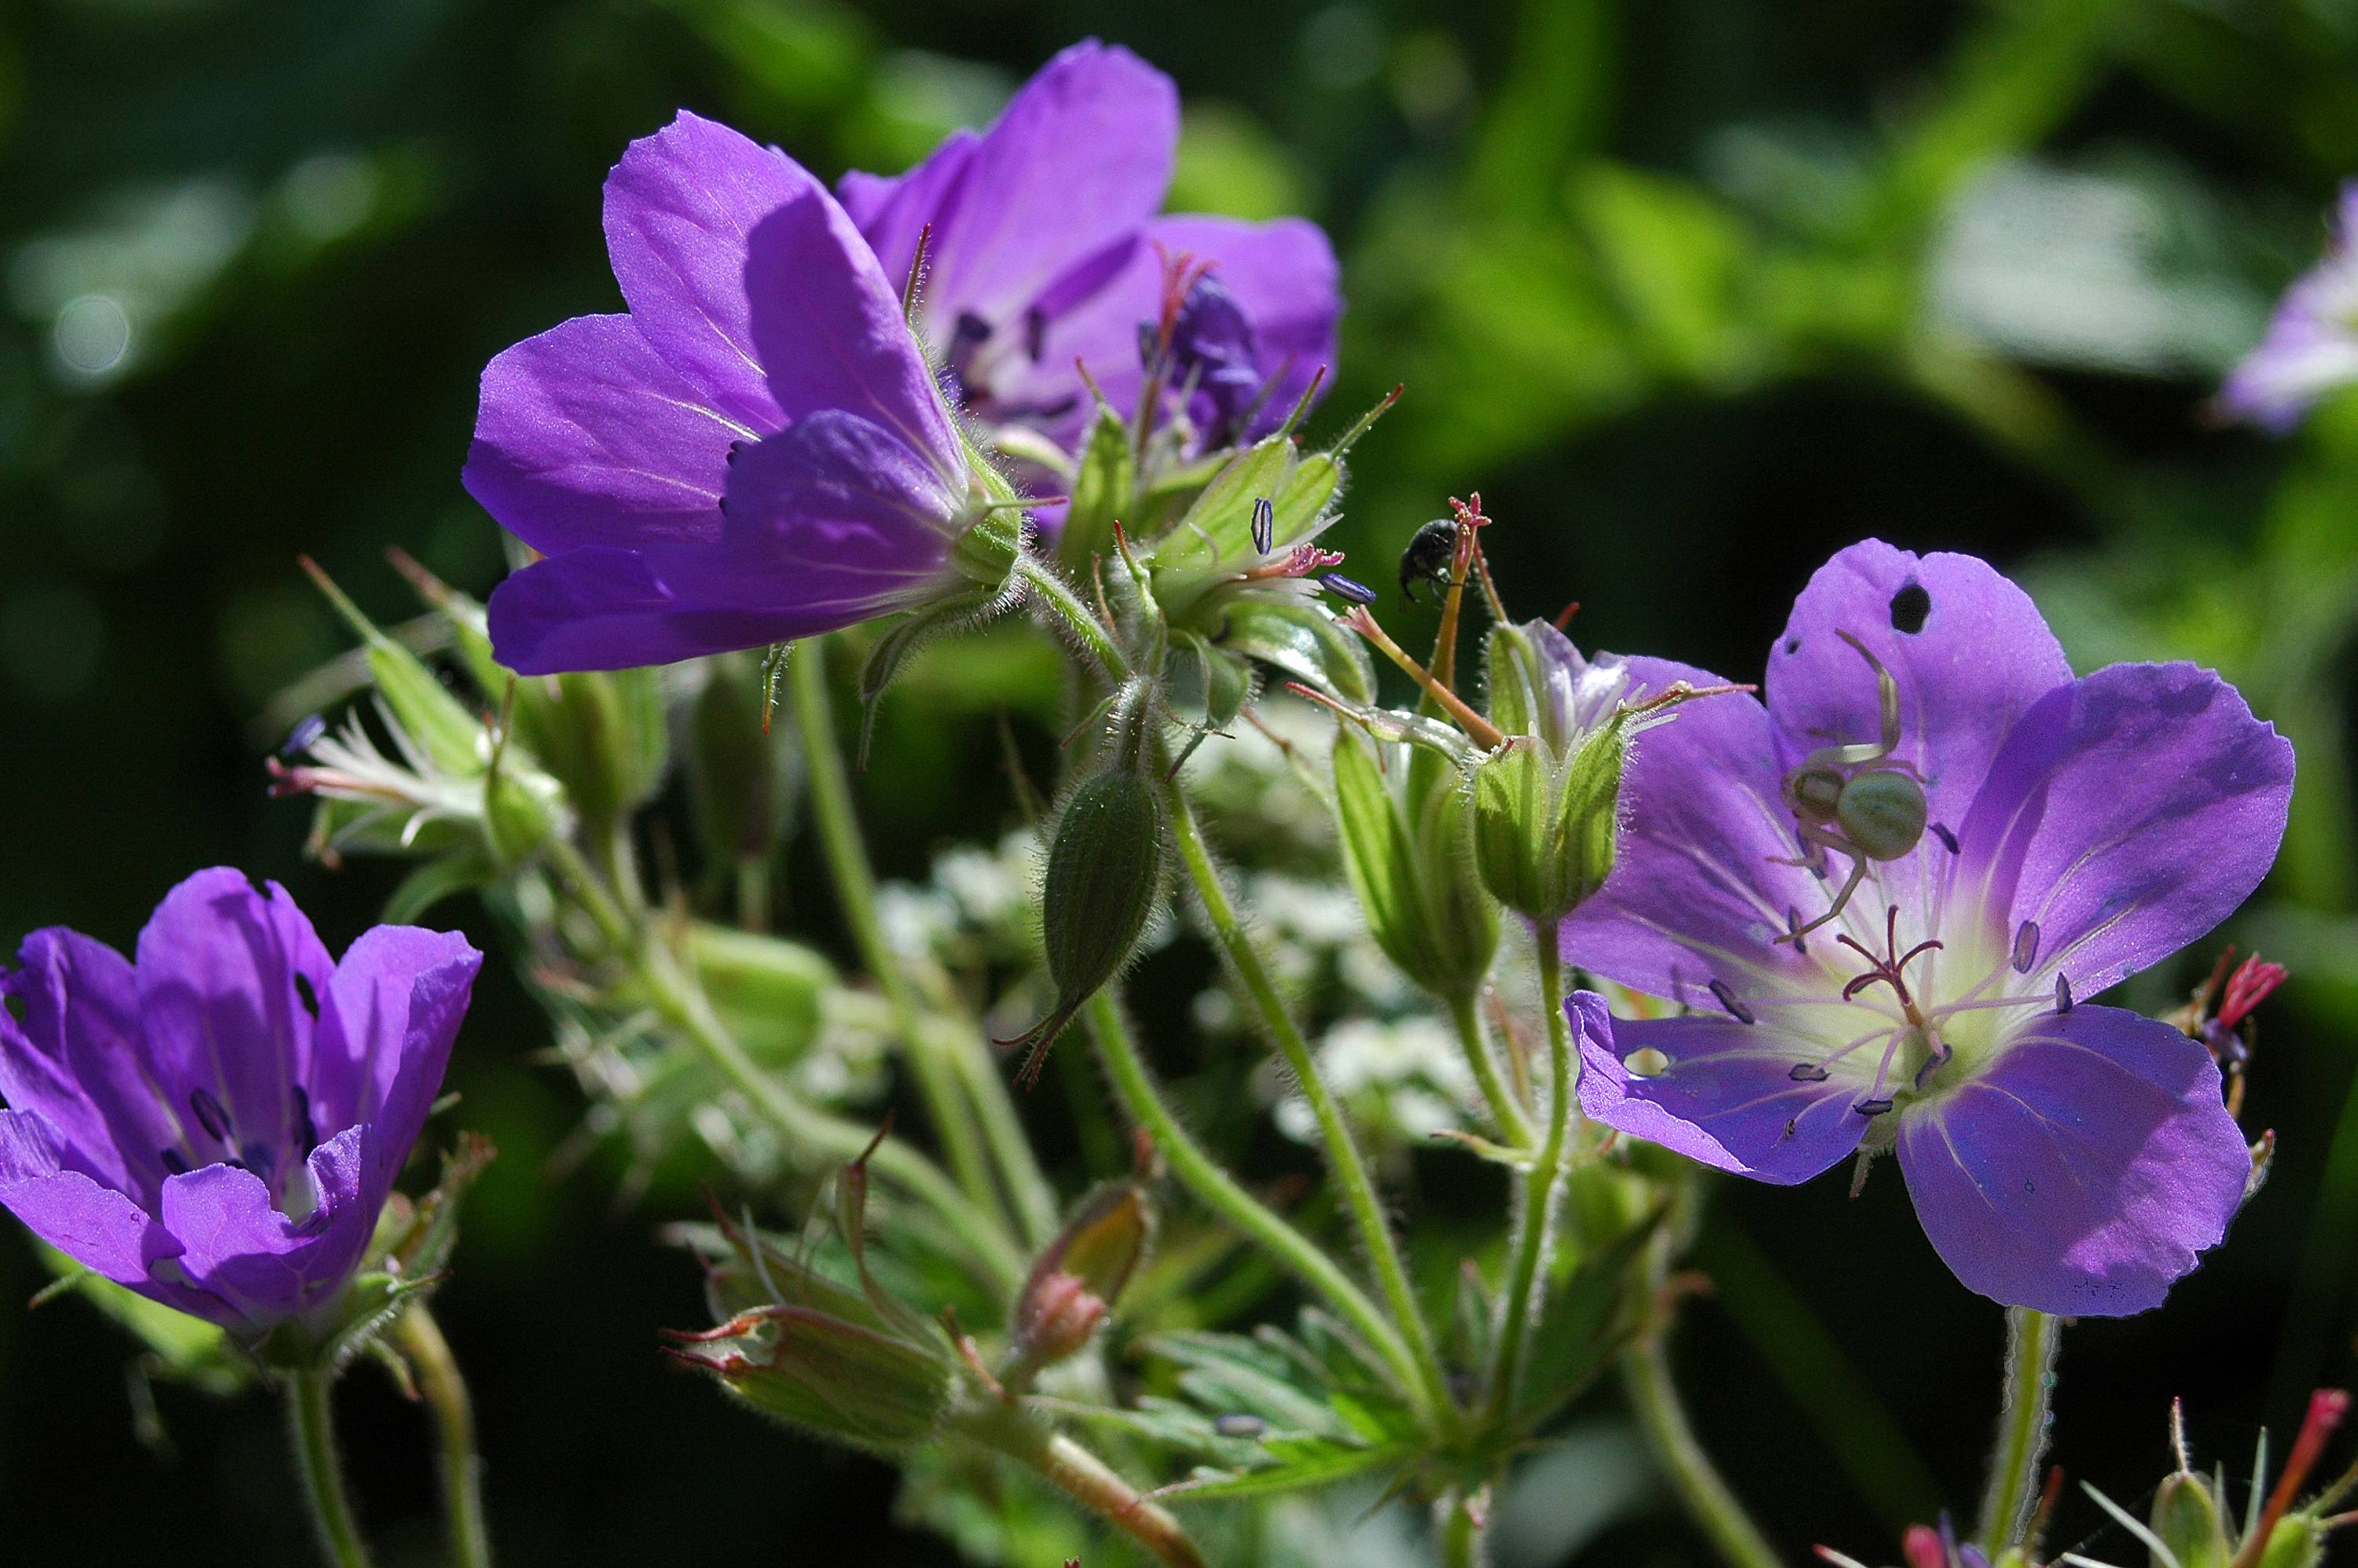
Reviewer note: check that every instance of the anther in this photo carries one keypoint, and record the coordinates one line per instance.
(1035, 334)
(1938, 1060)
(1947, 840)
(210, 1114)
(300, 737)
(1343, 588)
(2062, 995)
(174, 1162)
(1264, 526)
(2026, 946)
(1793, 929)
(1873, 1107)
(306, 1136)
(1808, 1073)
(1736, 1010)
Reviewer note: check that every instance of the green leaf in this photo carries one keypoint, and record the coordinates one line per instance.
(1301, 1462)
(469, 870)
(1584, 1325)
(1301, 641)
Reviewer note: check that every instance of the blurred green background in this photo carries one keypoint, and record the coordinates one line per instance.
(1694, 292)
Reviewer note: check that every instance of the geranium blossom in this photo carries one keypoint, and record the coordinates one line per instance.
(2311, 344)
(217, 1123)
(1044, 248)
(755, 452)
(2064, 1156)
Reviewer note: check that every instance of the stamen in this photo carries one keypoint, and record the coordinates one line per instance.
(1345, 588)
(1035, 334)
(1947, 840)
(1938, 1060)
(1873, 1107)
(1264, 526)
(1793, 929)
(306, 1136)
(1736, 1010)
(1808, 1073)
(2026, 946)
(174, 1160)
(210, 1114)
(2062, 995)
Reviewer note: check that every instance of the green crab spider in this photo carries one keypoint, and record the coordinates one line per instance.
(1853, 800)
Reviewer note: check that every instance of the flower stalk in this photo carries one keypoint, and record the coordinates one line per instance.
(444, 1389)
(2024, 1419)
(311, 1425)
(1087, 1479)
(1539, 1185)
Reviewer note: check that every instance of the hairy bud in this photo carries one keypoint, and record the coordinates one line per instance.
(1411, 859)
(1544, 828)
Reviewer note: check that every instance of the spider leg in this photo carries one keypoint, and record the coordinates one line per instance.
(1850, 884)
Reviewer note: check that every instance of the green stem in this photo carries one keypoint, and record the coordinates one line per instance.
(311, 1423)
(1054, 599)
(1086, 1478)
(1514, 1123)
(803, 1128)
(1350, 1170)
(1646, 1374)
(1461, 1532)
(439, 1379)
(1217, 1191)
(855, 889)
(2032, 1339)
(1539, 1186)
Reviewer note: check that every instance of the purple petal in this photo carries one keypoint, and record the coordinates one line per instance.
(829, 328)
(94, 1224)
(1697, 889)
(2130, 812)
(2082, 1172)
(391, 1011)
(1979, 656)
(229, 978)
(831, 523)
(585, 436)
(1728, 1096)
(79, 1059)
(891, 210)
(1080, 157)
(680, 207)
(263, 1265)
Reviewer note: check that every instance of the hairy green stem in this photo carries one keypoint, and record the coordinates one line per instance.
(950, 1109)
(1513, 1122)
(1646, 1374)
(1539, 1185)
(1351, 1177)
(312, 1425)
(1461, 1531)
(445, 1390)
(1216, 1190)
(805, 1130)
(2024, 1415)
(1086, 1478)
(1048, 592)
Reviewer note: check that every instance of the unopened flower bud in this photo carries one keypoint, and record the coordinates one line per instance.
(1406, 848)
(838, 1379)
(1078, 1278)
(2186, 1520)
(1103, 882)
(1544, 829)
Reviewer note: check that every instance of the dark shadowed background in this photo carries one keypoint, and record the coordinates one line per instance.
(1693, 292)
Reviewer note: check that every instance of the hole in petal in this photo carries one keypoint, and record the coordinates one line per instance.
(1792, 646)
(1910, 606)
(1645, 1062)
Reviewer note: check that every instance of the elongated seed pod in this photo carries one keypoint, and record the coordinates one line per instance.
(1104, 879)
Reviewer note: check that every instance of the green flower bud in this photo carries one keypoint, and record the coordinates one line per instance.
(1410, 861)
(827, 1375)
(1544, 829)
(600, 732)
(771, 993)
(743, 773)
(1101, 491)
(1078, 1278)
(1104, 880)
(2186, 1519)
(2298, 1542)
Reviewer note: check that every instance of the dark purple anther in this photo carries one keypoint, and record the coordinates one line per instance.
(1736, 1010)
(210, 1114)
(1264, 526)
(300, 737)
(174, 1160)
(1808, 1073)
(1947, 840)
(1035, 334)
(1873, 1107)
(1342, 587)
(2062, 994)
(2026, 946)
(1940, 1059)
(299, 1125)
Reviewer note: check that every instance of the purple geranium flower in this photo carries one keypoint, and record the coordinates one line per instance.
(2311, 345)
(756, 452)
(2062, 1156)
(1045, 249)
(217, 1123)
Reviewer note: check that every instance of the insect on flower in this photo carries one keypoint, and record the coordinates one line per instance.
(1431, 556)
(1857, 800)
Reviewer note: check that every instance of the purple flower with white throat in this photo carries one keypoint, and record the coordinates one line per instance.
(2311, 344)
(1044, 247)
(1995, 840)
(217, 1121)
(755, 452)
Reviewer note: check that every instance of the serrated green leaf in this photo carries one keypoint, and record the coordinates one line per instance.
(1307, 1462)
